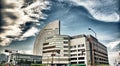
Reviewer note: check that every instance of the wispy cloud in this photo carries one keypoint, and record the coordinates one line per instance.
(31, 32)
(20, 18)
(113, 44)
(103, 10)
(113, 53)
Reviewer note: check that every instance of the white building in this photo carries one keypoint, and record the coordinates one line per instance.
(87, 50)
(60, 49)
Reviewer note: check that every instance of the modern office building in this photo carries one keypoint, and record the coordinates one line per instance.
(57, 49)
(53, 28)
(24, 59)
(50, 43)
(87, 50)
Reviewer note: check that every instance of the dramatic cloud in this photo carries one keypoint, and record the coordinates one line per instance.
(103, 10)
(114, 53)
(30, 32)
(20, 18)
(112, 45)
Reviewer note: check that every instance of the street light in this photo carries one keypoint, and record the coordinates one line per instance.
(93, 32)
(96, 38)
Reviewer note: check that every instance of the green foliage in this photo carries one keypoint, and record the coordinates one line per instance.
(102, 64)
(38, 65)
(77, 65)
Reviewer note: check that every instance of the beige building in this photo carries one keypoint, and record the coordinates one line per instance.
(87, 50)
(50, 42)
(57, 49)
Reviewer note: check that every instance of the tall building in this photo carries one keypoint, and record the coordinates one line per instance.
(53, 28)
(57, 49)
(87, 50)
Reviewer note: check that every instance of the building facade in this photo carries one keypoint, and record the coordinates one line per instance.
(3, 58)
(24, 59)
(53, 28)
(53, 47)
(57, 49)
(87, 50)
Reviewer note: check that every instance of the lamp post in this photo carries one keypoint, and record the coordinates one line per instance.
(93, 32)
(96, 38)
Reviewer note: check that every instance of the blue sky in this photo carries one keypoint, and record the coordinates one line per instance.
(20, 23)
(75, 19)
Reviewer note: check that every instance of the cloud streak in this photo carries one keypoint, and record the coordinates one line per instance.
(19, 19)
(103, 10)
(113, 44)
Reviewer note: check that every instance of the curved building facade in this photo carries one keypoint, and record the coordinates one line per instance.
(53, 28)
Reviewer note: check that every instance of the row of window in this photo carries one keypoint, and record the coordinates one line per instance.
(101, 59)
(81, 54)
(79, 50)
(81, 62)
(79, 45)
(79, 58)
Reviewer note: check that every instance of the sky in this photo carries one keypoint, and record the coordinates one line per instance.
(21, 21)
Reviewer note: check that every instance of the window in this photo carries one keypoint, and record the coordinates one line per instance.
(73, 58)
(49, 47)
(49, 37)
(73, 51)
(65, 46)
(65, 50)
(82, 45)
(81, 58)
(66, 54)
(81, 62)
(73, 62)
(71, 46)
(65, 38)
(74, 55)
(78, 45)
(45, 44)
(65, 42)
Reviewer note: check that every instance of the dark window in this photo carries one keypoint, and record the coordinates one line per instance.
(65, 54)
(65, 38)
(49, 47)
(78, 45)
(73, 58)
(81, 58)
(65, 42)
(45, 43)
(65, 50)
(49, 37)
(82, 45)
(65, 46)
(73, 62)
(81, 62)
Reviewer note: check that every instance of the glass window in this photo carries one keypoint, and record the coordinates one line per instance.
(65, 42)
(82, 45)
(78, 45)
(65, 38)
(65, 46)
